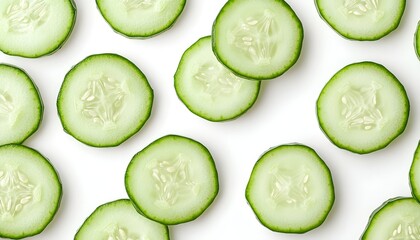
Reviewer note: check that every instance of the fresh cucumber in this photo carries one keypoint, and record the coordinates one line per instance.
(362, 19)
(119, 220)
(140, 18)
(30, 192)
(363, 108)
(291, 189)
(257, 39)
(396, 219)
(34, 28)
(417, 40)
(209, 89)
(104, 100)
(415, 174)
(21, 107)
(173, 180)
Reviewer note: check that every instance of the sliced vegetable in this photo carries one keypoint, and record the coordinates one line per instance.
(30, 192)
(362, 19)
(140, 18)
(257, 39)
(363, 108)
(173, 180)
(119, 220)
(291, 189)
(21, 107)
(104, 100)
(397, 218)
(209, 89)
(34, 28)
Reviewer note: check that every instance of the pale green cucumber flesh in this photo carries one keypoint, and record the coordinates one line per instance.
(362, 20)
(21, 107)
(119, 220)
(30, 192)
(363, 108)
(34, 28)
(397, 218)
(173, 180)
(209, 89)
(140, 19)
(417, 40)
(415, 174)
(257, 39)
(104, 100)
(291, 189)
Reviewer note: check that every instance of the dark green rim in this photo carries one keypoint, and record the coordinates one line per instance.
(53, 211)
(298, 230)
(384, 143)
(190, 217)
(237, 71)
(350, 36)
(196, 111)
(59, 44)
(143, 35)
(122, 139)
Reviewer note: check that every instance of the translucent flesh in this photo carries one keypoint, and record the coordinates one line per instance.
(363, 107)
(119, 220)
(140, 18)
(33, 28)
(175, 185)
(257, 39)
(104, 100)
(396, 219)
(209, 89)
(290, 189)
(20, 105)
(30, 192)
(362, 19)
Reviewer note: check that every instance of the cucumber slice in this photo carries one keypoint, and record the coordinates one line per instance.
(257, 39)
(364, 20)
(363, 108)
(417, 40)
(104, 100)
(21, 106)
(173, 180)
(291, 189)
(396, 219)
(210, 90)
(30, 192)
(140, 18)
(34, 28)
(119, 220)
(415, 174)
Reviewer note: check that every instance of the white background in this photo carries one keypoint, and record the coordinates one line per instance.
(284, 113)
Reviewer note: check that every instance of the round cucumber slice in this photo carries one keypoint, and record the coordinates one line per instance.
(363, 108)
(21, 107)
(257, 39)
(209, 89)
(104, 100)
(140, 18)
(415, 174)
(30, 192)
(34, 28)
(119, 220)
(364, 20)
(291, 189)
(417, 40)
(173, 180)
(397, 218)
